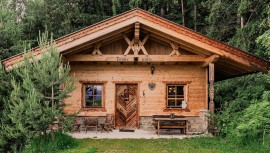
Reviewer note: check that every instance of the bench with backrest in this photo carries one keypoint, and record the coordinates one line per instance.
(91, 122)
(171, 124)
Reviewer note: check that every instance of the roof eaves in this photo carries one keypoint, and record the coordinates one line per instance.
(216, 43)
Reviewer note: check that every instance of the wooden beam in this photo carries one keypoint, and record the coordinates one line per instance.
(135, 47)
(169, 38)
(211, 88)
(211, 59)
(130, 44)
(104, 38)
(127, 39)
(175, 48)
(166, 42)
(145, 39)
(225, 70)
(141, 58)
(137, 33)
(96, 49)
(64, 59)
(141, 44)
(194, 44)
(236, 66)
(85, 46)
(229, 64)
(211, 95)
(179, 38)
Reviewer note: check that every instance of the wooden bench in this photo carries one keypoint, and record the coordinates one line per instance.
(165, 122)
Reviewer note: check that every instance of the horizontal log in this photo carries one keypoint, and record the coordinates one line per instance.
(172, 127)
(138, 58)
(211, 59)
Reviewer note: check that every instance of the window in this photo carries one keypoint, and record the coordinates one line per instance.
(92, 95)
(175, 95)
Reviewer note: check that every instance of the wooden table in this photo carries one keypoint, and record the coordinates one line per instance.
(171, 126)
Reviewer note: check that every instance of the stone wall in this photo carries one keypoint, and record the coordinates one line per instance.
(196, 124)
(80, 120)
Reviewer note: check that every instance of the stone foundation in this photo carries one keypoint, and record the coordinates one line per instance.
(80, 120)
(147, 123)
(196, 124)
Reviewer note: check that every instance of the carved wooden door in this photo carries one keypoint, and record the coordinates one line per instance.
(126, 106)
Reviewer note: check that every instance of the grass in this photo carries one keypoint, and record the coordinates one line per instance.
(51, 143)
(192, 145)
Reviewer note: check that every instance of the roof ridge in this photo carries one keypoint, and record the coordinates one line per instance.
(162, 22)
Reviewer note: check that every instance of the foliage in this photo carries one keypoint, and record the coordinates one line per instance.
(4, 86)
(255, 122)
(54, 142)
(36, 98)
(10, 32)
(238, 23)
(233, 97)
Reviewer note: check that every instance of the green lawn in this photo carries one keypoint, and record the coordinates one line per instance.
(192, 145)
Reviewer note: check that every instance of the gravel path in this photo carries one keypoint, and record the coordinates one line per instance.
(137, 134)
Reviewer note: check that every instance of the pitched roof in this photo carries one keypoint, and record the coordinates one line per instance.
(229, 55)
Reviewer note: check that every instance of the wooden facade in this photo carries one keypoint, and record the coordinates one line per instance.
(136, 65)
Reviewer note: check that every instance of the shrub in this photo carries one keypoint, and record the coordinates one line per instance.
(255, 123)
(39, 87)
(51, 143)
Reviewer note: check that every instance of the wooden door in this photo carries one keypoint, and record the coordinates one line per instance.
(126, 106)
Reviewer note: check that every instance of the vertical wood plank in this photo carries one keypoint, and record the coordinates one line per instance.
(211, 95)
(211, 88)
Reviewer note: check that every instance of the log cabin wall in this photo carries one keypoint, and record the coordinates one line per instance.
(150, 102)
(153, 102)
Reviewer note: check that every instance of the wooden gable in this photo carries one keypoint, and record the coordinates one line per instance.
(138, 36)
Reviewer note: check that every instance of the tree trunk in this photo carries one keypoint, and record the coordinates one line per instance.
(242, 22)
(182, 10)
(195, 15)
(52, 94)
(162, 12)
(20, 10)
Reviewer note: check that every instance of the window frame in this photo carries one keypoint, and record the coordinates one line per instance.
(174, 98)
(185, 85)
(83, 94)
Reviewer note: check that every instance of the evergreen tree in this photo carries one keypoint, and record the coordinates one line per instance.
(36, 100)
(10, 31)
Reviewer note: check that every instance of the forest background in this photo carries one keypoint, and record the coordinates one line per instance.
(243, 24)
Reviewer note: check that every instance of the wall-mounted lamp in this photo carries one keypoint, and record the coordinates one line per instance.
(152, 69)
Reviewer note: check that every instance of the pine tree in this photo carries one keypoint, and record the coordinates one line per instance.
(10, 31)
(36, 99)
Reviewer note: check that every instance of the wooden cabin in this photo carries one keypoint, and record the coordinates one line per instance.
(137, 64)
